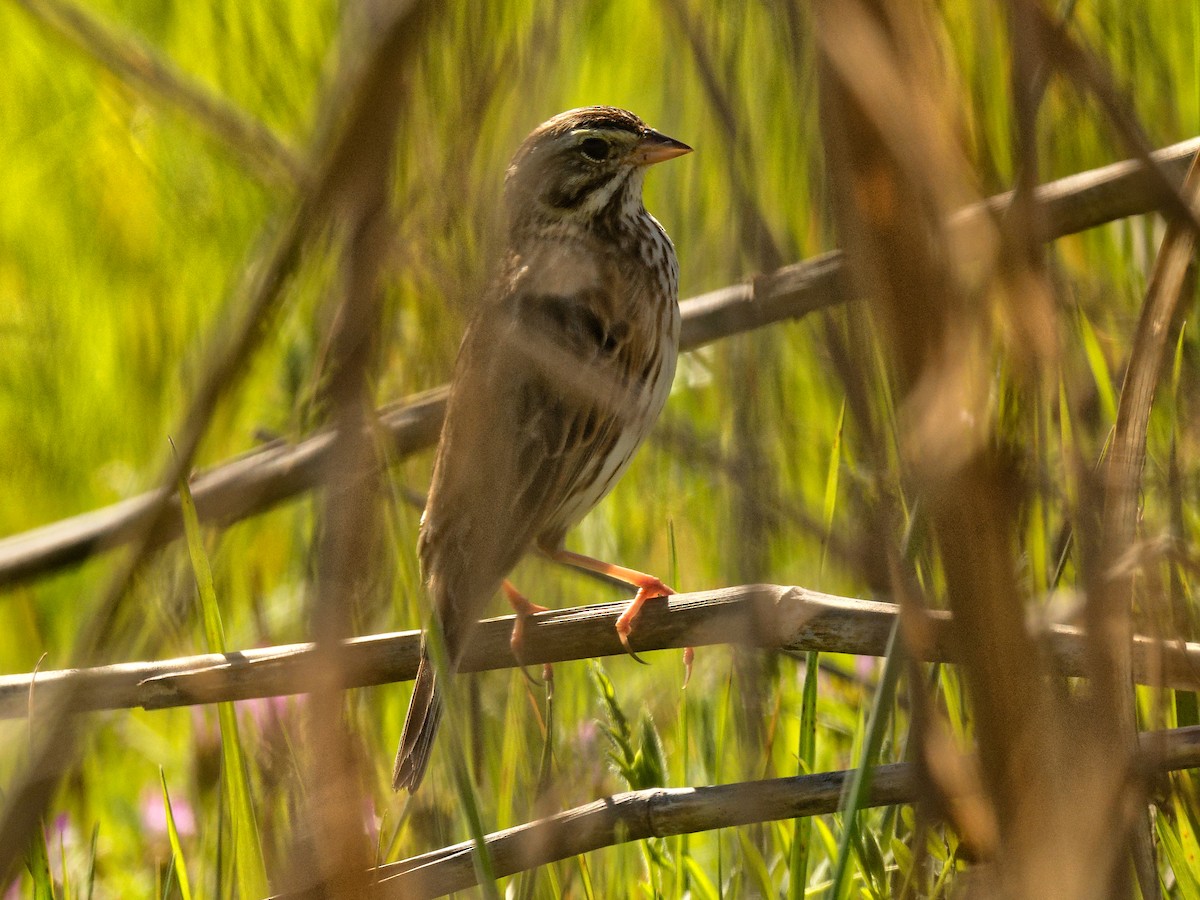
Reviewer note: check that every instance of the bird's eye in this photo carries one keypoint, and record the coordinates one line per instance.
(595, 149)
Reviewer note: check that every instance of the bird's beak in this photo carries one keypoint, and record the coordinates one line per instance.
(655, 147)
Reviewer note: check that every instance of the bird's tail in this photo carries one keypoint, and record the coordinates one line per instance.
(420, 727)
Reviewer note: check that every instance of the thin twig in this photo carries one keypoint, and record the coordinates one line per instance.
(777, 617)
(272, 474)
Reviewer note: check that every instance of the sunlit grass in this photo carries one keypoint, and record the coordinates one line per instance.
(123, 229)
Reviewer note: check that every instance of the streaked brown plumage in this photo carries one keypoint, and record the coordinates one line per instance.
(559, 377)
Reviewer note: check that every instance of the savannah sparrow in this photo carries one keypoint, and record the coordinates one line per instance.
(560, 375)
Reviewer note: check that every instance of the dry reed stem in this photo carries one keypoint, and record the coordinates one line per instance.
(937, 298)
(1109, 611)
(775, 617)
(332, 853)
(254, 306)
(664, 812)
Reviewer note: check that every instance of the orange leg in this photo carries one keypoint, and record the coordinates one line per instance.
(524, 608)
(648, 587)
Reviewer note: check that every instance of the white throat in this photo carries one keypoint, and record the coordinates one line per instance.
(630, 183)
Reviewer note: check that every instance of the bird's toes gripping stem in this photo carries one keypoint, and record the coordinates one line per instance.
(524, 608)
(648, 588)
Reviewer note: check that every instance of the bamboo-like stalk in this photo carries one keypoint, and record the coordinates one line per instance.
(777, 617)
(269, 475)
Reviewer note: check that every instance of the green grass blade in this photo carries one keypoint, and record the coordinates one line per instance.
(806, 752)
(1101, 374)
(39, 866)
(62, 867)
(210, 611)
(168, 879)
(247, 847)
(702, 886)
(585, 878)
(825, 833)
(680, 843)
(616, 726)
(672, 557)
(831, 483)
(481, 859)
(684, 883)
(1178, 845)
(754, 865)
(185, 889)
(91, 870)
(860, 782)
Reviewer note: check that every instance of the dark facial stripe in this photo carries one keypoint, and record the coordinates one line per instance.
(570, 199)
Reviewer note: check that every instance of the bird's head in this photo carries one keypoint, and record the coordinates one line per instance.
(585, 165)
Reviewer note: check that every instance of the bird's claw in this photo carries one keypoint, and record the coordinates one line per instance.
(648, 589)
(516, 642)
(515, 645)
(624, 636)
(546, 681)
(689, 656)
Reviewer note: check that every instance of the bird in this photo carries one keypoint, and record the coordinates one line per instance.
(562, 371)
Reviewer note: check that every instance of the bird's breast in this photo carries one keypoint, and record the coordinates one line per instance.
(558, 268)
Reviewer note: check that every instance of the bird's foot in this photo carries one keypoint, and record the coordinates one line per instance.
(524, 608)
(648, 587)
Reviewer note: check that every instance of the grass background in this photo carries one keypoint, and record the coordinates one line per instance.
(124, 228)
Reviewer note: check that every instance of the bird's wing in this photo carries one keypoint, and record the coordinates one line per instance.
(537, 398)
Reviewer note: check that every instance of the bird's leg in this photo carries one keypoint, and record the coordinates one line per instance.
(524, 608)
(648, 587)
